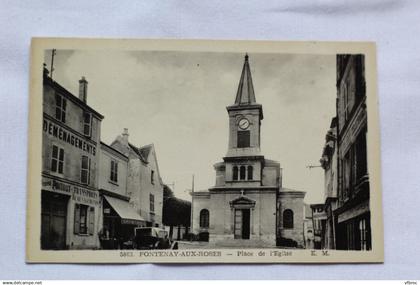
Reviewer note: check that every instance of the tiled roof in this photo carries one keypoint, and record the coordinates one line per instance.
(113, 149)
(63, 91)
(145, 150)
(138, 152)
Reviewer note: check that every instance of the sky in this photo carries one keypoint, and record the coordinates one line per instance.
(177, 101)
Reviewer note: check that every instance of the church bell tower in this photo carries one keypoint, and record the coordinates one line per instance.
(245, 117)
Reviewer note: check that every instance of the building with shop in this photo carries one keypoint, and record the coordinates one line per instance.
(329, 162)
(308, 228)
(70, 202)
(353, 231)
(247, 205)
(318, 221)
(144, 183)
(119, 217)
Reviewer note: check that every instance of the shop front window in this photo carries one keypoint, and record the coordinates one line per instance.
(363, 234)
(84, 219)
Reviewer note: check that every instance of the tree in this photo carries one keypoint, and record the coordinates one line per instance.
(176, 212)
(167, 192)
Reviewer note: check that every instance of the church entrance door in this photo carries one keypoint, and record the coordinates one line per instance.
(246, 223)
(242, 223)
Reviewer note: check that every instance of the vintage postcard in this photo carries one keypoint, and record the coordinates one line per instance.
(183, 151)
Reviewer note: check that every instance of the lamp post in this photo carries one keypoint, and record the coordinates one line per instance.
(192, 205)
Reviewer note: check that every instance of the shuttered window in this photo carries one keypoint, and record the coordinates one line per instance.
(83, 219)
(114, 171)
(152, 202)
(91, 220)
(85, 170)
(57, 159)
(76, 218)
(87, 124)
(60, 108)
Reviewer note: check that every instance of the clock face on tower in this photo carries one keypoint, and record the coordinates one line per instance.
(243, 124)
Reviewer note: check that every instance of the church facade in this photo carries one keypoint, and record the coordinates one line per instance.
(247, 205)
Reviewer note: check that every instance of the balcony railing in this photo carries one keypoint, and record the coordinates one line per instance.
(359, 188)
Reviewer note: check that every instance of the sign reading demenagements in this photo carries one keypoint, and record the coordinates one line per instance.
(59, 132)
(270, 139)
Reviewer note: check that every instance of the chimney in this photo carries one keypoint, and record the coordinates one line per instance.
(83, 84)
(125, 136)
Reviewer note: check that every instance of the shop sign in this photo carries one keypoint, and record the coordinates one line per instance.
(354, 212)
(131, 222)
(68, 137)
(78, 194)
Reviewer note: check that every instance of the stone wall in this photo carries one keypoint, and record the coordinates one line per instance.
(252, 115)
(263, 215)
(294, 202)
(105, 158)
(147, 187)
(200, 201)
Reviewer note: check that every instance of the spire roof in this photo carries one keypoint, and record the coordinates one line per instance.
(245, 94)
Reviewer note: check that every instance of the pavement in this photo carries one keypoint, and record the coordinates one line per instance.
(193, 245)
(206, 245)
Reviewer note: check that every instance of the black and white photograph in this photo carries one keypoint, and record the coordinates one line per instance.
(203, 152)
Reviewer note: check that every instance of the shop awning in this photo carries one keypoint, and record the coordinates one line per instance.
(126, 212)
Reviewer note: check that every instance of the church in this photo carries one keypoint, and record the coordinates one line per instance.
(247, 206)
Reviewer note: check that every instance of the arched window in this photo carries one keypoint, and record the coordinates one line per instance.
(288, 219)
(235, 173)
(250, 174)
(242, 173)
(204, 218)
